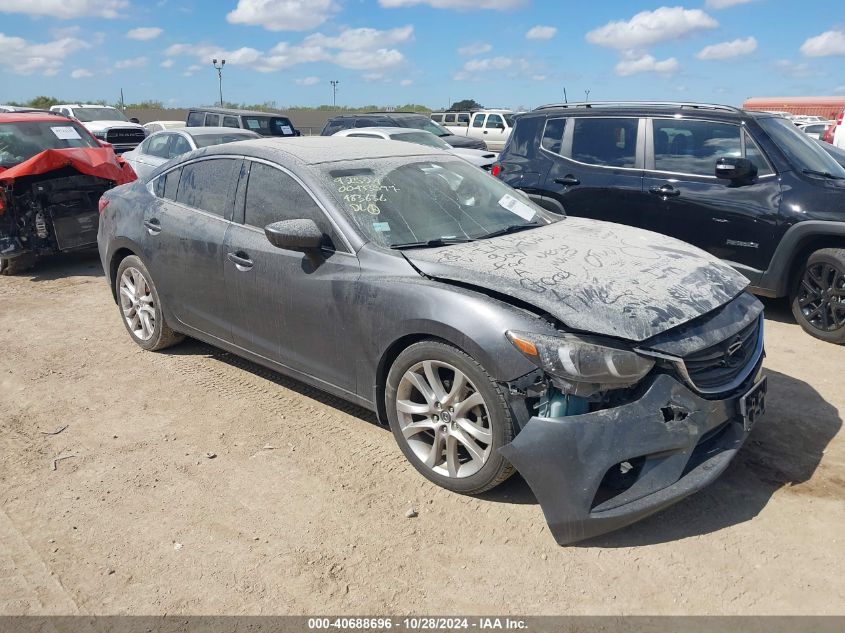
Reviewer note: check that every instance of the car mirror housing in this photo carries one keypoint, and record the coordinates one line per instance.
(735, 169)
(295, 235)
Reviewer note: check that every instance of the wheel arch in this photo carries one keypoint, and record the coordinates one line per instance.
(118, 255)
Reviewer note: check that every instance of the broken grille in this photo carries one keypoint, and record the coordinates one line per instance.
(724, 365)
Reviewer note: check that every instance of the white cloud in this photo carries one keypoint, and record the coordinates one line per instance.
(167, 63)
(723, 4)
(137, 62)
(491, 63)
(478, 48)
(362, 60)
(406, 82)
(307, 81)
(81, 73)
(646, 64)
(825, 45)
(539, 77)
(191, 70)
(362, 39)
(650, 27)
(462, 5)
(65, 9)
(371, 77)
(283, 15)
(144, 33)
(792, 69)
(23, 57)
(727, 50)
(541, 33)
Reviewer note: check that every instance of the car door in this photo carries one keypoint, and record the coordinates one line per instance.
(494, 134)
(733, 221)
(286, 305)
(186, 233)
(596, 167)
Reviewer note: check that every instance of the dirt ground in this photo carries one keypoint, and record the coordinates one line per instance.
(303, 508)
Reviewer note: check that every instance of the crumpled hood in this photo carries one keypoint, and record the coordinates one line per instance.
(594, 276)
(93, 161)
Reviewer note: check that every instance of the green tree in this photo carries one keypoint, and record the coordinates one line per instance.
(42, 102)
(467, 104)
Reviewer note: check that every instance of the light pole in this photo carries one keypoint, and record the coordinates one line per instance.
(219, 70)
(334, 83)
(587, 95)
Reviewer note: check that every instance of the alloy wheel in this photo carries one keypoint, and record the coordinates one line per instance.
(821, 296)
(444, 419)
(136, 302)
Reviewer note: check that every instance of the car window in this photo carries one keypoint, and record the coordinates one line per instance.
(272, 196)
(157, 145)
(509, 118)
(209, 185)
(230, 121)
(802, 152)
(437, 117)
(165, 186)
(478, 120)
(421, 138)
(195, 119)
(212, 120)
(693, 147)
(335, 125)
(553, 135)
(154, 127)
(366, 122)
(463, 119)
(179, 145)
(756, 156)
(449, 119)
(362, 135)
(494, 121)
(607, 142)
(22, 140)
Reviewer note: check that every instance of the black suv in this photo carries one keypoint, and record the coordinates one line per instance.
(399, 119)
(748, 187)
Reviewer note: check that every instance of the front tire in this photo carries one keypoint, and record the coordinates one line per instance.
(818, 300)
(140, 306)
(449, 417)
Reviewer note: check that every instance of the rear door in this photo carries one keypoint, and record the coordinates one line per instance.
(285, 305)
(733, 221)
(596, 169)
(495, 134)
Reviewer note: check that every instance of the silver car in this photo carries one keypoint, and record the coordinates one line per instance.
(160, 147)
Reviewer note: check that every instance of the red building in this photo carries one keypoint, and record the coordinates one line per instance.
(828, 107)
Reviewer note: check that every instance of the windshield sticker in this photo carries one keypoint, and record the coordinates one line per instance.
(381, 227)
(66, 132)
(517, 207)
(286, 130)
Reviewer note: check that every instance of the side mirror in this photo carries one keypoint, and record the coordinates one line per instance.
(134, 120)
(735, 169)
(294, 235)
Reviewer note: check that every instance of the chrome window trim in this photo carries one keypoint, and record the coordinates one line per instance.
(568, 133)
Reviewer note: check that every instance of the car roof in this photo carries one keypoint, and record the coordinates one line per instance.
(237, 112)
(386, 129)
(203, 131)
(314, 150)
(353, 115)
(32, 115)
(82, 105)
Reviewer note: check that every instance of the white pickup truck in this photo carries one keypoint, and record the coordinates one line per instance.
(106, 123)
(491, 126)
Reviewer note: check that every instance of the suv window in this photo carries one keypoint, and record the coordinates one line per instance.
(463, 120)
(478, 120)
(553, 135)
(605, 141)
(273, 196)
(231, 121)
(494, 121)
(212, 120)
(449, 118)
(195, 119)
(208, 185)
(693, 147)
(756, 156)
(335, 125)
(437, 117)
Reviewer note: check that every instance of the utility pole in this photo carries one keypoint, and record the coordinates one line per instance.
(219, 70)
(565, 100)
(587, 95)
(334, 83)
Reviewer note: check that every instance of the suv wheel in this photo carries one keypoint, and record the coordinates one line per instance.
(449, 417)
(818, 302)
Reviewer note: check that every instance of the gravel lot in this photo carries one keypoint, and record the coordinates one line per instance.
(303, 508)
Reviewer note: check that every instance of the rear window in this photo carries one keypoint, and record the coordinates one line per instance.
(206, 140)
(606, 142)
(195, 119)
(209, 185)
(22, 140)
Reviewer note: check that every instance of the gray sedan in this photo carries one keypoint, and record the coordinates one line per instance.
(160, 147)
(617, 370)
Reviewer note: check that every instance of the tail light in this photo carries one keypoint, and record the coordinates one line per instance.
(497, 169)
(102, 204)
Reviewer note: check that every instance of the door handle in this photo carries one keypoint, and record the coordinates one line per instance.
(720, 220)
(484, 132)
(241, 261)
(667, 191)
(568, 181)
(153, 226)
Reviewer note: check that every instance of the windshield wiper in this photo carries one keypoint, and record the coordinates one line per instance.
(823, 174)
(440, 241)
(513, 228)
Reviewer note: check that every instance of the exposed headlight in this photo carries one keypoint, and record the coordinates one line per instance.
(582, 366)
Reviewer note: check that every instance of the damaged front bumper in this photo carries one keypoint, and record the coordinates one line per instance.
(596, 472)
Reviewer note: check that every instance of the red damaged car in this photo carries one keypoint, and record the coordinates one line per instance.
(52, 174)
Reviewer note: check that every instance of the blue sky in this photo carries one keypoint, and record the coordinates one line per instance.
(506, 53)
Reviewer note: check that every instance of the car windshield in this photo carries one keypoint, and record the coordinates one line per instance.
(99, 114)
(22, 140)
(421, 138)
(269, 125)
(804, 154)
(206, 140)
(422, 123)
(411, 202)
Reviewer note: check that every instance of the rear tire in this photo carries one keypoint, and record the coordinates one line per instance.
(818, 299)
(17, 265)
(140, 306)
(449, 417)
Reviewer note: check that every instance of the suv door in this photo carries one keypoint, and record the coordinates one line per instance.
(185, 237)
(289, 306)
(495, 132)
(733, 221)
(596, 169)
